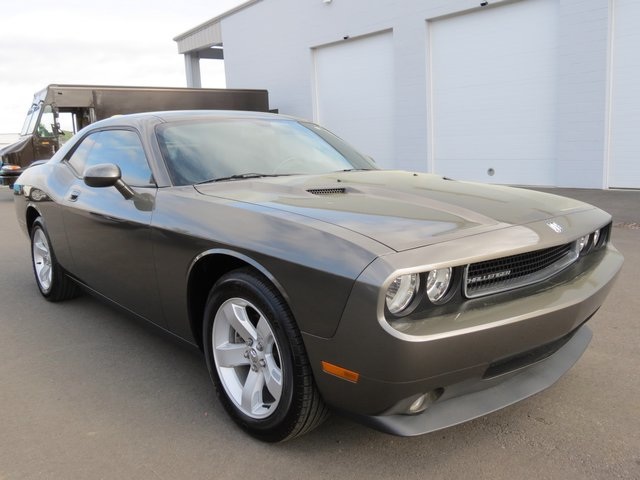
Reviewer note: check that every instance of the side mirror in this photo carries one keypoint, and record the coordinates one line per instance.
(107, 175)
(102, 175)
(57, 130)
(55, 126)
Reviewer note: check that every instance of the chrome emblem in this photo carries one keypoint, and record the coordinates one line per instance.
(489, 276)
(556, 227)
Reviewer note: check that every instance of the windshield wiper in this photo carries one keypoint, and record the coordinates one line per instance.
(243, 176)
(354, 170)
(240, 176)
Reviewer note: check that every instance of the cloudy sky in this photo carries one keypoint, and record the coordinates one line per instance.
(118, 42)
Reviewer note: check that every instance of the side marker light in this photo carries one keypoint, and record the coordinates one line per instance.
(343, 373)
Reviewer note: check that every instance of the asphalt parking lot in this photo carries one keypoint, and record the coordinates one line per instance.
(88, 393)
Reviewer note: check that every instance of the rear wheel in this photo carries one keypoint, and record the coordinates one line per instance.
(53, 283)
(257, 360)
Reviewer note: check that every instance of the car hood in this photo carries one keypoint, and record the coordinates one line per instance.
(401, 210)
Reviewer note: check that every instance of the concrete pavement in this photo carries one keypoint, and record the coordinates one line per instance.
(623, 205)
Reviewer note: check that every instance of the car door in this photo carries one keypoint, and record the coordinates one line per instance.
(110, 236)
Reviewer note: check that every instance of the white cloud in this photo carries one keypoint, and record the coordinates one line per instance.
(110, 43)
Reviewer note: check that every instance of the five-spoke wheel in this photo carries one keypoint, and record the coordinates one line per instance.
(247, 358)
(50, 277)
(42, 260)
(256, 358)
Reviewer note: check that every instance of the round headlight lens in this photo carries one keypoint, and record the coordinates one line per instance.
(438, 282)
(582, 242)
(596, 237)
(401, 292)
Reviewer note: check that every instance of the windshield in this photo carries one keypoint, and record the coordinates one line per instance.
(30, 121)
(209, 150)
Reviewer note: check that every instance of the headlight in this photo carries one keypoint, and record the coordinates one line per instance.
(438, 282)
(401, 292)
(37, 195)
(596, 237)
(582, 242)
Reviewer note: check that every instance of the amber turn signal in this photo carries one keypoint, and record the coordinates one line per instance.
(340, 372)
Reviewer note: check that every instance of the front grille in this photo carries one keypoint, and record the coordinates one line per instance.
(327, 191)
(506, 273)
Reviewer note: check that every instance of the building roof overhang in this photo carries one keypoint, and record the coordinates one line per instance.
(208, 34)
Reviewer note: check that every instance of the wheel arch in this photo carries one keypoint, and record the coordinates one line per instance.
(30, 216)
(204, 272)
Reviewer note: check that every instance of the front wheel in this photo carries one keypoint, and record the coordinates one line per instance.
(257, 360)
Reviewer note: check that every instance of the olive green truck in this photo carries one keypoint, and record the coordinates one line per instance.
(59, 111)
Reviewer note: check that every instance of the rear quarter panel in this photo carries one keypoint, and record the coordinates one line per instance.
(52, 179)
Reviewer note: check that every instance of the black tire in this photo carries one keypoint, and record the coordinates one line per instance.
(57, 286)
(299, 407)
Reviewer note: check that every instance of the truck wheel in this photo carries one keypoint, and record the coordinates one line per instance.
(51, 279)
(257, 360)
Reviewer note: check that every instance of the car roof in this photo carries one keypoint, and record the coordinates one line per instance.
(179, 115)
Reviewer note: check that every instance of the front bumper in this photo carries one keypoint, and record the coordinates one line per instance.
(9, 177)
(469, 400)
(396, 367)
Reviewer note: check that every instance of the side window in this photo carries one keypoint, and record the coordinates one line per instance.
(121, 147)
(47, 121)
(78, 158)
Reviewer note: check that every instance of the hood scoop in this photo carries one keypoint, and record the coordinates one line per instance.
(328, 191)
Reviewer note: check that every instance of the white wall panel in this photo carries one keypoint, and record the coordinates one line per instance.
(624, 166)
(493, 80)
(354, 84)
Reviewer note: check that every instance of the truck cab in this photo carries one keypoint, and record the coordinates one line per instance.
(45, 129)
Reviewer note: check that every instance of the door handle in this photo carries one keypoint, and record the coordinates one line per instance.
(73, 196)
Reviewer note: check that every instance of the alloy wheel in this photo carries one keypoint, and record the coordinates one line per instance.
(247, 358)
(42, 260)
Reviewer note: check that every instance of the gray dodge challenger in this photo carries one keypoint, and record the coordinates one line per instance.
(311, 279)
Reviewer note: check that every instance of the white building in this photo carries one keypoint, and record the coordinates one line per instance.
(537, 92)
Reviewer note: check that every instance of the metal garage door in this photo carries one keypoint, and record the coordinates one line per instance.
(354, 93)
(493, 93)
(624, 159)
